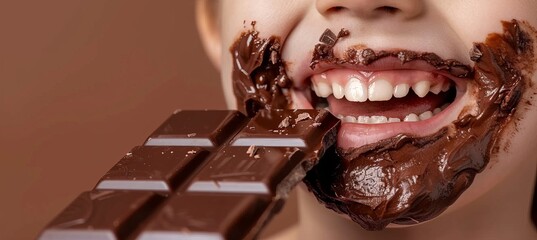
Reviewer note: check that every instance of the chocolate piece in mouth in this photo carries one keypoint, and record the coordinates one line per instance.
(195, 179)
(408, 179)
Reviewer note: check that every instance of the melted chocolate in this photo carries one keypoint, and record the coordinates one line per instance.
(323, 54)
(407, 179)
(404, 179)
(259, 77)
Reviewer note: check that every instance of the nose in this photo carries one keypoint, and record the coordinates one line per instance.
(370, 9)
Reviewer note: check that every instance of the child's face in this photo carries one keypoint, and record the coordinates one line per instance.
(445, 28)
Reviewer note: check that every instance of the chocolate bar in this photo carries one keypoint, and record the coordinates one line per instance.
(212, 174)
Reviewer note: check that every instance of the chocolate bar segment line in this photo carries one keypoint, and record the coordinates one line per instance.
(150, 185)
(229, 187)
(270, 142)
(178, 235)
(171, 140)
(61, 234)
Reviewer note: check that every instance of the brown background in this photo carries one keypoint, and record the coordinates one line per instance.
(81, 83)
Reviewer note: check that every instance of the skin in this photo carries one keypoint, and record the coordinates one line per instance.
(497, 204)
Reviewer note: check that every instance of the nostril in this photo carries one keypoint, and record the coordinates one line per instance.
(336, 9)
(387, 9)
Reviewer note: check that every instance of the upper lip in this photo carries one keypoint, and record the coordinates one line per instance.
(449, 68)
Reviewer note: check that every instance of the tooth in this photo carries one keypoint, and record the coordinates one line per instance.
(392, 120)
(436, 88)
(437, 111)
(324, 90)
(339, 91)
(340, 116)
(355, 91)
(411, 118)
(380, 90)
(421, 88)
(378, 119)
(351, 119)
(401, 90)
(362, 119)
(426, 115)
(445, 86)
(314, 88)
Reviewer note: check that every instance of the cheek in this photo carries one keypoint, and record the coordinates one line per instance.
(485, 16)
(272, 18)
(516, 153)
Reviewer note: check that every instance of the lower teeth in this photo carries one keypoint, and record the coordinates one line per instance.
(412, 117)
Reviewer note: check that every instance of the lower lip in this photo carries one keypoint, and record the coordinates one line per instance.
(355, 135)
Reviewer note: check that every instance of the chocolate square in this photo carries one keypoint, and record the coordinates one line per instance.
(197, 128)
(153, 168)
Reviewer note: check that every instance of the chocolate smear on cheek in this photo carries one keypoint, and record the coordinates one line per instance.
(259, 77)
(408, 179)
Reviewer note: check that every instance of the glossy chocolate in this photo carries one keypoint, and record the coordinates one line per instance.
(206, 188)
(102, 215)
(407, 179)
(282, 128)
(203, 128)
(259, 78)
(206, 216)
(153, 168)
(247, 170)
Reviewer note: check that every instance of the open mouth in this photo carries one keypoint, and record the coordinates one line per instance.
(427, 125)
(381, 103)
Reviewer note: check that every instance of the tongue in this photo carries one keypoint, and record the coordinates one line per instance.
(396, 107)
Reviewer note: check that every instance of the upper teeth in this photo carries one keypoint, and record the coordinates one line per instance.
(379, 89)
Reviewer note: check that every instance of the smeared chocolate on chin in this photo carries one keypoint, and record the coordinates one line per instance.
(404, 179)
(408, 179)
